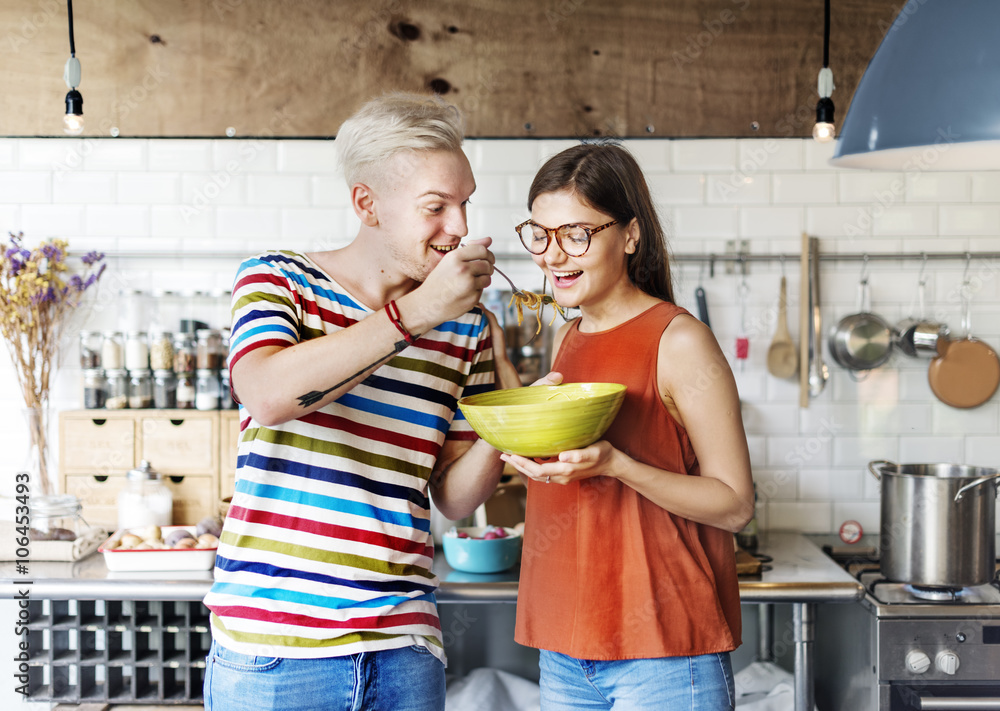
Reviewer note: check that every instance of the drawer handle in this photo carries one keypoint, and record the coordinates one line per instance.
(101, 477)
(176, 479)
(177, 423)
(99, 422)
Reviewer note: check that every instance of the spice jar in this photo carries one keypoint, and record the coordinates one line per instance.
(137, 351)
(226, 401)
(207, 390)
(184, 353)
(113, 350)
(161, 350)
(140, 389)
(56, 518)
(185, 391)
(164, 389)
(95, 388)
(144, 500)
(90, 349)
(209, 347)
(117, 397)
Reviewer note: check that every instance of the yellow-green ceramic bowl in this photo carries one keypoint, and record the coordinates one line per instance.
(544, 420)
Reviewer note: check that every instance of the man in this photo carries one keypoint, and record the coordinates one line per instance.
(348, 365)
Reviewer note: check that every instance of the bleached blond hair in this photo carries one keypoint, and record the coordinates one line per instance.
(394, 123)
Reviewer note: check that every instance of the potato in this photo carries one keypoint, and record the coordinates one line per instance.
(207, 540)
(185, 543)
(130, 540)
(147, 533)
(175, 537)
(209, 524)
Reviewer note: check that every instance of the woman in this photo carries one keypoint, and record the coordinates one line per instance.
(628, 578)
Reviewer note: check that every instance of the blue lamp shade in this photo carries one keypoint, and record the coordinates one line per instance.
(930, 98)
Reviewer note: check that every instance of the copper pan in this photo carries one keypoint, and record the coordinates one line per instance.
(966, 372)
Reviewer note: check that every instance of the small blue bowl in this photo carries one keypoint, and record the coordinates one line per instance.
(476, 555)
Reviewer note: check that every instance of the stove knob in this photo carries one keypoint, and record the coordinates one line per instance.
(917, 662)
(947, 662)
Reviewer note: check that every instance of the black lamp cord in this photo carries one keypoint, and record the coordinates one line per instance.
(826, 33)
(72, 44)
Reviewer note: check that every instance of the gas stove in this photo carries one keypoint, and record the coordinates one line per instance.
(906, 647)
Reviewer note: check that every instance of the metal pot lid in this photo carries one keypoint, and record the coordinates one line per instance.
(940, 470)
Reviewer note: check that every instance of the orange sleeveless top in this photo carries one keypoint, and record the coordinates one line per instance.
(605, 573)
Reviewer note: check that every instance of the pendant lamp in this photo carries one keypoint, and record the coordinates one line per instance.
(930, 97)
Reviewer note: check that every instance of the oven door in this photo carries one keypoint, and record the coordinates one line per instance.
(958, 697)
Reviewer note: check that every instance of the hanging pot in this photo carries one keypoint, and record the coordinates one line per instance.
(921, 337)
(938, 523)
(863, 340)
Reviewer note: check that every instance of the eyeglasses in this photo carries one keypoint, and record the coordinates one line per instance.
(574, 240)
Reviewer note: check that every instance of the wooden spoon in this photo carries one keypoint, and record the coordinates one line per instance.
(783, 355)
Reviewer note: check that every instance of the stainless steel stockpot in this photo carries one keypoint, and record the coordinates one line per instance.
(938, 523)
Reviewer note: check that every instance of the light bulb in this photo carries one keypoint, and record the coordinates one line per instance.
(73, 120)
(824, 132)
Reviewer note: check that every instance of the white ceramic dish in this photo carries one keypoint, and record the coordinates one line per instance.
(161, 559)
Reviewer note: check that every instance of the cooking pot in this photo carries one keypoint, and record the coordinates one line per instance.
(938, 523)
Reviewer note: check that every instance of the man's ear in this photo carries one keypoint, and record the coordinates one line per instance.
(363, 202)
(632, 236)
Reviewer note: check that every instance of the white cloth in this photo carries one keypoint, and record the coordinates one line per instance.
(492, 690)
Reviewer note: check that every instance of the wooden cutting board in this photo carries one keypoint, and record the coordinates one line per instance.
(746, 564)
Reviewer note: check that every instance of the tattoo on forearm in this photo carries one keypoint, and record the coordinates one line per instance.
(314, 396)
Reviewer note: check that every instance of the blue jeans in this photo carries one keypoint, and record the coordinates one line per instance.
(703, 683)
(405, 679)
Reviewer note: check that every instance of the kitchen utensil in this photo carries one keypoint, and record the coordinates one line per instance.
(782, 355)
(543, 420)
(920, 336)
(819, 373)
(863, 340)
(699, 295)
(967, 371)
(938, 523)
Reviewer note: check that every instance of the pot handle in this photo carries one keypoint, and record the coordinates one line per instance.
(872, 469)
(973, 484)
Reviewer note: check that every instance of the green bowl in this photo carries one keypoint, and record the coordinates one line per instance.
(544, 420)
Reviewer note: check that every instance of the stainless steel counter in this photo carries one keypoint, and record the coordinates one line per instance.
(800, 574)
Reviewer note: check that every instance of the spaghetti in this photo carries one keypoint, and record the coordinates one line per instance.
(535, 302)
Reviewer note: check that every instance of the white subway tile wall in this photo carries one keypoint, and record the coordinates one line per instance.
(206, 202)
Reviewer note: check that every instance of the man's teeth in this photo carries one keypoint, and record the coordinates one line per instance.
(444, 247)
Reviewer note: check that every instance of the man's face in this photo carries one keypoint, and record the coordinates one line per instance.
(421, 207)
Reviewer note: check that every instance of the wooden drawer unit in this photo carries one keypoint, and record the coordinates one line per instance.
(229, 442)
(179, 442)
(95, 442)
(191, 449)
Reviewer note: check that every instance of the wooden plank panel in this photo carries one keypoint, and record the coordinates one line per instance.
(570, 68)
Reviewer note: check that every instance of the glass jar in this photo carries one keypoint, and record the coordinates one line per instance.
(184, 353)
(185, 391)
(164, 389)
(209, 347)
(207, 390)
(113, 350)
(226, 401)
(117, 397)
(161, 350)
(140, 389)
(95, 388)
(90, 349)
(144, 500)
(137, 351)
(56, 518)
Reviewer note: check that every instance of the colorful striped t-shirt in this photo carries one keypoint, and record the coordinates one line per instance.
(327, 548)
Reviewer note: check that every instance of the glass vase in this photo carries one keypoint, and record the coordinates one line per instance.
(37, 464)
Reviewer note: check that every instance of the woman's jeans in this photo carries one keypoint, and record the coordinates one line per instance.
(405, 679)
(702, 683)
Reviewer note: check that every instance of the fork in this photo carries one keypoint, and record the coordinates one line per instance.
(513, 287)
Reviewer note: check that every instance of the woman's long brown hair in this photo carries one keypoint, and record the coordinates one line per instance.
(609, 179)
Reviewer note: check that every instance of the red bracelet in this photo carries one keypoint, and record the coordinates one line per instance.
(393, 312)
